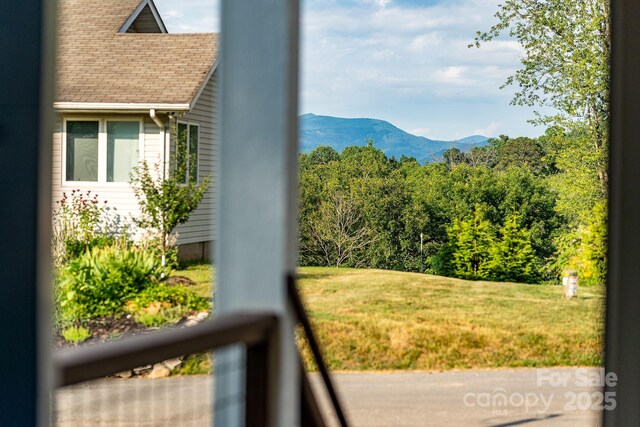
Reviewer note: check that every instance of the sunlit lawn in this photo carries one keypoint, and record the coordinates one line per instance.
(202, 274)
(378, 320)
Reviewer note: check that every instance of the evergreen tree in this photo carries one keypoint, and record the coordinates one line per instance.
(471, 240)
(512, 258)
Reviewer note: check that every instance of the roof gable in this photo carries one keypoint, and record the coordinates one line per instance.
(98, 64)
(145, 19)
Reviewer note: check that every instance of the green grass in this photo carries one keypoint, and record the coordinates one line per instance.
(378, 320)
(195, 364)
(202, 274)
(382, 320)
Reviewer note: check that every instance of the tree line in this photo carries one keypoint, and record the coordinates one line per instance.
(518, 209)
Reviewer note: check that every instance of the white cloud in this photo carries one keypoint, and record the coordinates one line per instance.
(425, 41)
(382, 3)
(383, 55)
(454, 75)
(408, 64)
(489, 130)
(190, 16)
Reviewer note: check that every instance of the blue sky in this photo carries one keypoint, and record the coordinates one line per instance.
(404, 61)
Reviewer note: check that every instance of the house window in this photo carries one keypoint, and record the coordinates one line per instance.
(187, 152)
(101, 150)
(123, 141)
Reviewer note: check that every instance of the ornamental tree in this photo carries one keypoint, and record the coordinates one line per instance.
(165, 202)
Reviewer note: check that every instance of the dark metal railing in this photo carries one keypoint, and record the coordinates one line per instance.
(301, 314)
(254, 330)
(92, 362)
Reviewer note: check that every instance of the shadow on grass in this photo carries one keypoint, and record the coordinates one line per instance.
(312, 276)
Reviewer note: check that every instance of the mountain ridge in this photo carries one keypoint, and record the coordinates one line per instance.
(340, 132)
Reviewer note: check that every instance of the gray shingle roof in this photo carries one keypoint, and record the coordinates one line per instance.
(96, 64)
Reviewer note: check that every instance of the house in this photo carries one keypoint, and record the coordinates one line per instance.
(124, 89)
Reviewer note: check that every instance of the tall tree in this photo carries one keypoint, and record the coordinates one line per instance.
(453, 156)
(522, 152)
(565, 65)
(338, 231)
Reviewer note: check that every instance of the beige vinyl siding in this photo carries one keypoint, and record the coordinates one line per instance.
(153, 144)
(118, 195)
(201, 224)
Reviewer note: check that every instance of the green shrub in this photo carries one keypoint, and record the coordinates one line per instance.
(585, 250)
(152, 242)
(76, 247)
(100, 281)
(154, 320)
(161, 305)
(170, 296)
(76, 334)
(81, 222)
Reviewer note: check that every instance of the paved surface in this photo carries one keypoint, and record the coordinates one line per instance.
(175, 402)
(523, 397)
(471, 398)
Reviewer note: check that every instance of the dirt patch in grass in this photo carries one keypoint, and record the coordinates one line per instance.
(179, 280)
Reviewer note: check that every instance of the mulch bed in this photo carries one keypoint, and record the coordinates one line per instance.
(111, 328)
(106, 329)
(114, 327)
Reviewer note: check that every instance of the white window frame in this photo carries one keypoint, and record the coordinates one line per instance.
(175, 153)
(102, 149)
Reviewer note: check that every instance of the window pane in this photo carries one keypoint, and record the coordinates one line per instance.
(123, 139)
(193, 153)
(82, 151)
(181, 153)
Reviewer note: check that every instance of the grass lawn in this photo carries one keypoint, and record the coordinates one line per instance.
(202, 274)
(379, 320)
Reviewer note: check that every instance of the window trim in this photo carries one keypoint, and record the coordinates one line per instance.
(102, 149)
(188, 123)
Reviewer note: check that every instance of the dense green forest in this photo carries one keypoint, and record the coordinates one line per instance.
(519, 209)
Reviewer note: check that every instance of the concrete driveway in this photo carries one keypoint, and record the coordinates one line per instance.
(527, 397)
